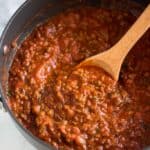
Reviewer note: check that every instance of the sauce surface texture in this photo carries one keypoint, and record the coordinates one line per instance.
(82, 109)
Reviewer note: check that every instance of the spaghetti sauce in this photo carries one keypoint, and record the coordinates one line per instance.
(82, 109)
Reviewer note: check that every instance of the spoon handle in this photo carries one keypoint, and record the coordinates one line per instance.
(112, 59)
(138, 29)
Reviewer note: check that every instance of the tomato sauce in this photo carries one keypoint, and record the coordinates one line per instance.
(82, 109)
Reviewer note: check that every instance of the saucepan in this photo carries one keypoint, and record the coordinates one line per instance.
(31, 13)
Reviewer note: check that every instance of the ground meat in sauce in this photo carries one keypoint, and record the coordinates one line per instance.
(82, 108)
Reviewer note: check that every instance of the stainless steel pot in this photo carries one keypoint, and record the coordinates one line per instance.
(24, 20)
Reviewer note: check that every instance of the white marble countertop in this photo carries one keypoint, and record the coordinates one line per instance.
(8, 7)
(10, 137)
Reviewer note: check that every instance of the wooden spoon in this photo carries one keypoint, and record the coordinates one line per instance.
(111, 60)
